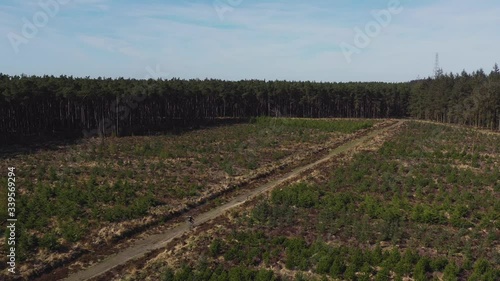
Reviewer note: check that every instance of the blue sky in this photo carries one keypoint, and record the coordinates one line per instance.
(247, 39)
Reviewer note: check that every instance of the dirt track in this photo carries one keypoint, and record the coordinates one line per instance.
(157, 241)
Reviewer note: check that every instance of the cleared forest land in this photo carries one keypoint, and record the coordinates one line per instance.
(424, 205)
(82, 197)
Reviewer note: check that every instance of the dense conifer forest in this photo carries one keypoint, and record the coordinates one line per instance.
(70, 106)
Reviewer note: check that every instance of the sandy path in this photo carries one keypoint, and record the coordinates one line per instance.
(153, 242)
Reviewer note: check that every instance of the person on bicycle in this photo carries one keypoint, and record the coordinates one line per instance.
(191, 221)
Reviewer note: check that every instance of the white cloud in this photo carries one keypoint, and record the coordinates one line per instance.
(111, 45)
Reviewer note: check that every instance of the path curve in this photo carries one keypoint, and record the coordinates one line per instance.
(157, 241)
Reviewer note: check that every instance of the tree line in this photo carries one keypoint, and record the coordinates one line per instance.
(66, 105)
(467, 99)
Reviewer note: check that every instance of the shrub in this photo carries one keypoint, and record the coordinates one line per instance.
(438, 264)
(338, 268)
(383, 275)
(324, 264)
(421, 269)
(167, 275)
(215, 247)
(450, 272)
(264, 275)
(261, 211)
(300, 195)
(71, 231)
(350, 272)
(49, 241)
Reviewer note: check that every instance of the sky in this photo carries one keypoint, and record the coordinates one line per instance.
(314, 40)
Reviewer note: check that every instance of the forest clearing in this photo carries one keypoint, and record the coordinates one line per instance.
(407, 190)
(94, 193)
(421, 204)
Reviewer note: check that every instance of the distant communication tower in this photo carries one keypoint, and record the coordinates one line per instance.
(438, 71)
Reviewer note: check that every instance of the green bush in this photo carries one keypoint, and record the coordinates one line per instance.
(338, 268)
(49, 241)
(261, 211)
(421, 269)
(265, 275)
(300, 195)
(450, 272)
(383, 275)
(215, 247)
(167, 275)
(72, 231)
(324, 264)
(296, 254)
(438, 264)
(483, 270)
